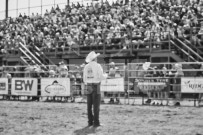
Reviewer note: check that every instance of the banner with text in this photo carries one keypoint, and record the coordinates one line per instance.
(151, 84)
(191, 85)
(113, 85)
(55, 86)
(3, 86)
(24, 86)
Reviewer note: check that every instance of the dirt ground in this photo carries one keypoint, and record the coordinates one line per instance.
(42, 118)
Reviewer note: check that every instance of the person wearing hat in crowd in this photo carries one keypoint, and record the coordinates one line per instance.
(52, 74)
(112, 73)
(82, 84)
(117, 74)
(92, 76)
(5, 73)
(63, 71)
(177, 82)
(112, 70)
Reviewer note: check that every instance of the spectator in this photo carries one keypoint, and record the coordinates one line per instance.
(112, 70)
(52, 74)
(137, 23)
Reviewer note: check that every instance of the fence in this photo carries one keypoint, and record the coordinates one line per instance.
(159, 82)
(53, 81)
(114, 86)
(162, 82)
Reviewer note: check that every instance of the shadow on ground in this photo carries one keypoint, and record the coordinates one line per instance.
(85, 131)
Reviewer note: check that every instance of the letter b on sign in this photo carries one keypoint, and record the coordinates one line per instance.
(24, 85)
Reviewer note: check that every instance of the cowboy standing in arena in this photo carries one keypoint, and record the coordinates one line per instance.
(92, 77)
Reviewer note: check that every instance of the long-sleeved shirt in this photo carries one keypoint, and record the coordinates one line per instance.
(93, 73)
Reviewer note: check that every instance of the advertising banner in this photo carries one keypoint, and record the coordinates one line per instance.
(24, 86)
(151, 84)
(3, 86)
(191, 85)
(55, 86)
(112, 85)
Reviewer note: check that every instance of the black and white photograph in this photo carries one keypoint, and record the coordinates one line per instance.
(101, 67)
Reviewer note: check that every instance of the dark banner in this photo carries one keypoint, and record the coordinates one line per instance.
(151, 84)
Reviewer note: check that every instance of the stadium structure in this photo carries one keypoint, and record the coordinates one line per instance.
(120, 31)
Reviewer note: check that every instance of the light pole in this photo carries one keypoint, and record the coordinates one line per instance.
(6, 9)
(68, 2)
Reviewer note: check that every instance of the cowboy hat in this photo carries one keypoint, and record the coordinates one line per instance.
(116, 68)
(51, 72)
(112, 63)
(60, 63)
(91, 56)
(146, 65)
(178, 66)
(64, 67)
(83, 65)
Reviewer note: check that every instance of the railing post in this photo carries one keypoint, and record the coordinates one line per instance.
(29, 7)
(6, 11)
(169, 41)
(79, 48)
(17, 9)
(150, 43)
(104, 44)
(131, 43)
(41, 7)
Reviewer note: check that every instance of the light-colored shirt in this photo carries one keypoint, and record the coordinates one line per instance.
(93, 73)
(112, 72)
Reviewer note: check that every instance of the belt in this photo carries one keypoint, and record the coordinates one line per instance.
(93, 83)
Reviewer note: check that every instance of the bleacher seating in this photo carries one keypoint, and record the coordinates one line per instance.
(122, 26)
(115, 24)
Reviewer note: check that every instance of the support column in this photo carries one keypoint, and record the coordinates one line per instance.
(6, 9)
(68, 2)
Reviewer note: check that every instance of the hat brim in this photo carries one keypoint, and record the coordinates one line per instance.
(112, 63)
(92, 58)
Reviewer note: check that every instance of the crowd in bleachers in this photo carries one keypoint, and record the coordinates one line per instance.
(116, 24)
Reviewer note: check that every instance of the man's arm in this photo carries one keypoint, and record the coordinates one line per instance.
(84, 75)
(101, 74)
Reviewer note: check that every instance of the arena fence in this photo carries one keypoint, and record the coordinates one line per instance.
(114, 86)
(162, 82)
(150, 83)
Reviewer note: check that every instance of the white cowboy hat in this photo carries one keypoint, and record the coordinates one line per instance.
(83, 65)
(30, 68)
(64, 67)
(91, 56)
(51, 72)
(146, 65)
(60, 63)
(178, 66)
(116, 68)
(112, 63)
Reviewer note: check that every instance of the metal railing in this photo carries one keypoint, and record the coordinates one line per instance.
(139, 82)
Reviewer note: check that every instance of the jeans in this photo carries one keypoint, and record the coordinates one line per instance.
(93, 99)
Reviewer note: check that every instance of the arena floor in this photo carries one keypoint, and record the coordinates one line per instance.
(42, 118)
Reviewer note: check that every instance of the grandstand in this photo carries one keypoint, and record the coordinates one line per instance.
(137, 31)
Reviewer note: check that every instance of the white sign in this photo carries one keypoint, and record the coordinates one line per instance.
(24, 86)
(191, 85)
(112, 85)
(55, 86)
(3, 86)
